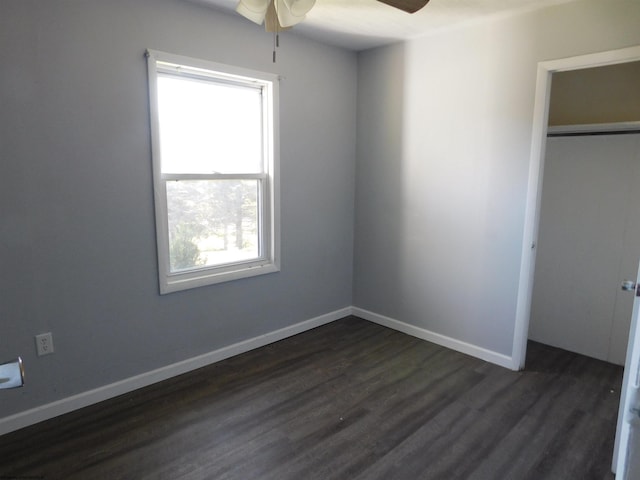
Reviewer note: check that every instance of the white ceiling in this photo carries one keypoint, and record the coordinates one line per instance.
(362, 24)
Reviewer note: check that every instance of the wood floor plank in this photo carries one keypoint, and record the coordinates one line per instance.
(349, 400)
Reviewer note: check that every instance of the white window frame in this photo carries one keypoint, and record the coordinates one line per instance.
(269, 249)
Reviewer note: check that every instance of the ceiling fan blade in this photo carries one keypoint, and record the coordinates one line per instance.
(254, 10)
(409, 6)
(271, 23)
(291, 12)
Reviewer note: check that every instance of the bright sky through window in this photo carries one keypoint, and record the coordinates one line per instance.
(196, 138)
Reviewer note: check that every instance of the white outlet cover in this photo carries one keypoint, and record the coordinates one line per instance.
(44, 344)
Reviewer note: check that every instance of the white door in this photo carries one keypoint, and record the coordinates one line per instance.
(588, 242)
(626, 460)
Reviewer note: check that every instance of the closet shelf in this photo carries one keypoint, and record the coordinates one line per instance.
(593, 129)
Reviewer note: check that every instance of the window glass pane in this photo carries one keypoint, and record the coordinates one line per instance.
(209, 127)
(212, 222)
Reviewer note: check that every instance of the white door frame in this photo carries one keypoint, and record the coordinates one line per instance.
(534, 188)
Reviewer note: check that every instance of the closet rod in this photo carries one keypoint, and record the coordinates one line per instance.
(619, 128)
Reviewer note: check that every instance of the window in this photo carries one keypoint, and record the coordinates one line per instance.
(214, 148)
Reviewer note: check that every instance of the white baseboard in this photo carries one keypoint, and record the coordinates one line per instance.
(442, 340)
(84, 399)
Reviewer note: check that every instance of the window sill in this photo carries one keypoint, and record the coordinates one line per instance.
(185, 281)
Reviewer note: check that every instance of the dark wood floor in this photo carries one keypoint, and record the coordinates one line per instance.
(349, 400)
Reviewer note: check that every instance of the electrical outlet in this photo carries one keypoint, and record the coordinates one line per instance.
(44, 344)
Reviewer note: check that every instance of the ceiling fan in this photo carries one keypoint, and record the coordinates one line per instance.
(279, 15)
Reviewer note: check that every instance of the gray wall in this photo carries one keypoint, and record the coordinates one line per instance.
(444, 139)
(77, 235)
